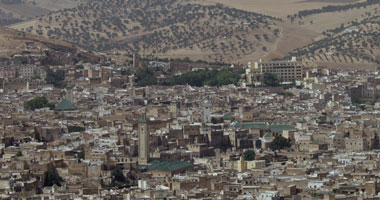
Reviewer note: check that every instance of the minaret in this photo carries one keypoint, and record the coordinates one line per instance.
(143, 141)
(69, 94)
(206, 112)
(136, 60)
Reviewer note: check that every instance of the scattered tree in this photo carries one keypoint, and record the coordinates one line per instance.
(118, 178)
(52, 178)
(279, 142)
(19, 154)
(249, 155)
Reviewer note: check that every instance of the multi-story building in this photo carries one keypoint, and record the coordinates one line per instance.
(13, 71)
(289, 70)
(26, 71)
(7, 72)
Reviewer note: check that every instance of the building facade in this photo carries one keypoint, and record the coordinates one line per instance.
(286, 71)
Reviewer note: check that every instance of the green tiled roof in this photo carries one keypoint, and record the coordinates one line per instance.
(227, 117)
(267, 135)
(65, 105)
(260, 125)
(166, 165)
(281, 127)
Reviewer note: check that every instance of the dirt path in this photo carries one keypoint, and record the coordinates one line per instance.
(275, 45)
(291, 37)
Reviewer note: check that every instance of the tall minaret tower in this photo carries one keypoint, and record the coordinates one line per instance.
(143, 141)
(206, 112)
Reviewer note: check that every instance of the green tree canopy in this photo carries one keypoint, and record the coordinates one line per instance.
(145, 76)
(19, 154)
(118, 178)
(81, 155)
(117, 175)
(75, 129)
(37, 103)
(249, 155)
(199, 78)
(206, 77)
(52, 178)
(270, 79)
(279, 142)
(56, 78)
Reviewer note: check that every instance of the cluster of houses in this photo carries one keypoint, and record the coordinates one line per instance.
(108, 139)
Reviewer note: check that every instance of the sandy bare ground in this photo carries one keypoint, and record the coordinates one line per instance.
(276, 8)
(292, 37)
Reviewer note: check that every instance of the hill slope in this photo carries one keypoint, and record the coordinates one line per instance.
(35, 49)
(355, 42)
(14, 11)
(162, 28)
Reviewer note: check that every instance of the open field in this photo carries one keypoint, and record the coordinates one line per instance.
(23, 10)
(30, 9)
(277, 8)
(55, 5)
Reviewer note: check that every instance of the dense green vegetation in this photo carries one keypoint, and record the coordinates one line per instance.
(270, 80)
(198, 78)
(81, 155)
(56, 78)
(145, 76)
(356, 100)
(52, 178)
(183, 60)
(118, 178)
(37, 103)
(75, 129)
(279, 142)
(19, 154)
(249, 155)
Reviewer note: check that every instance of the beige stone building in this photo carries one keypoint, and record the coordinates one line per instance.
(290, 70)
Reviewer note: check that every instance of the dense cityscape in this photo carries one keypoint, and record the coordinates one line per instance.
(314, 135)
(190, 99)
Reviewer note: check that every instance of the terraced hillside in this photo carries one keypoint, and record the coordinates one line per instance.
(162, 28)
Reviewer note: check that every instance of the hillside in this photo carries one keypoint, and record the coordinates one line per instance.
(357, 41)
(278, 8)
(215, 30)
(28, 48)
(163, 28)
(14, 11)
